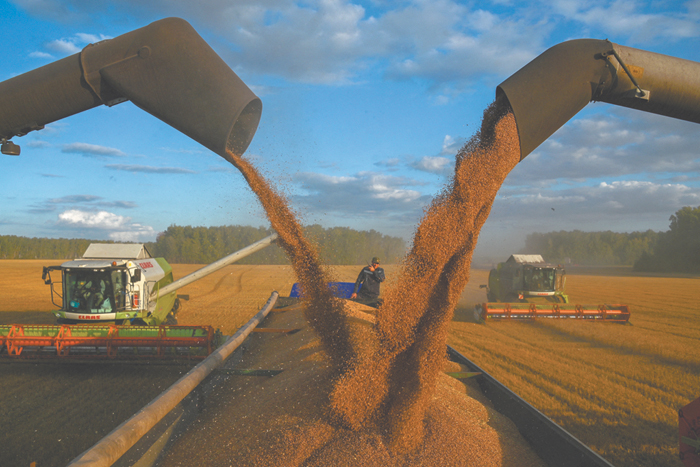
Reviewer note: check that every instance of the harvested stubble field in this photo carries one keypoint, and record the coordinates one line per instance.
(617, 388)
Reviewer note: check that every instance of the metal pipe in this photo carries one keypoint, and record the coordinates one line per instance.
(553, 87)
(164, 68)
(215, 266)
(110, 448)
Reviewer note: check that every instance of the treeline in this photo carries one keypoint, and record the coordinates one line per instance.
(14, 247)
(336, 245)
(676, 250)
(203, 245)
(591, 248)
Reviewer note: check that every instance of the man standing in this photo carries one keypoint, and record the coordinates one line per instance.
(370, 277)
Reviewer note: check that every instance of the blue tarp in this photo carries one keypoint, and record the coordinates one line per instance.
(339, 289)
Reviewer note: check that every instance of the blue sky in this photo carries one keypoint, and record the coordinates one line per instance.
(365, 104)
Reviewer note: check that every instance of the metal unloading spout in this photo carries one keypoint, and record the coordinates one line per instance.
(552, 88)
(164, 68)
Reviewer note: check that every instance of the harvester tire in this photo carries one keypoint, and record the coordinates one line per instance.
(171, 320)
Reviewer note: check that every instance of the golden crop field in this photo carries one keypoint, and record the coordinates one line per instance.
(615, 387)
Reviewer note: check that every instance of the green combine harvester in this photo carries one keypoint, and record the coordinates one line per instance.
(117, 301)
(516, 286)
(523, 277)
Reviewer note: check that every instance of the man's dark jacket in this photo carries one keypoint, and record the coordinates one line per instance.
(370, 282)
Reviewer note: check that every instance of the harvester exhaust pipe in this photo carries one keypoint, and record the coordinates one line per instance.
(164, 68)
(552, 88)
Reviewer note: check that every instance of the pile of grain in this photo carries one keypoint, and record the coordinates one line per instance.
(283, 421)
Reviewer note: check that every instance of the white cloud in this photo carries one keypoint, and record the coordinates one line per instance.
(437, 165)
(615, 142)
(87, 149)
(63, 46)
(629, 17)
(136, 233)
(451, 146)
(119, 228)
(446, 42)
(92, 220)
(69, 45)
(149, 169)
(37, 144)
(367, 195)
(615, 205)
(38, 54)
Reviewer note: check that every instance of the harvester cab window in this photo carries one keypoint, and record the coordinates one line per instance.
(89, 291)
(538, 279)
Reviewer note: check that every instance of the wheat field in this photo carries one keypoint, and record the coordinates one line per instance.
(615, 387)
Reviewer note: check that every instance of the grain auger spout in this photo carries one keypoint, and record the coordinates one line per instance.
(552, 88)
(164, 68)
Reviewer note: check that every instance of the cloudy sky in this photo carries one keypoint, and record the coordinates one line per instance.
(365, 104)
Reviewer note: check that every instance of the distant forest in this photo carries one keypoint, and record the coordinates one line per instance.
(592, 248)
(676, 250)
(203, 245)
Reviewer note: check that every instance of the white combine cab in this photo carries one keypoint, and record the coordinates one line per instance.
(113, 282)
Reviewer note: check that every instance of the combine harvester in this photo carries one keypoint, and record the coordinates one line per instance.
(514, 285)
(128, 298)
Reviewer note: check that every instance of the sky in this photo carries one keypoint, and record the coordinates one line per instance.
(365, 104)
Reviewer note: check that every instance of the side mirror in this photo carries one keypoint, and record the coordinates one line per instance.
(44, 273)
(136, 277)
